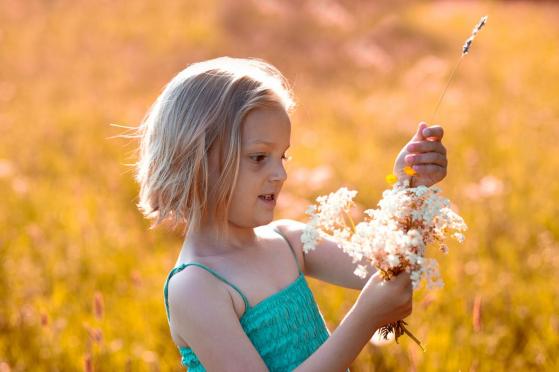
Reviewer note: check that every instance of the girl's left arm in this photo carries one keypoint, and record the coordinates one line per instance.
(326, 262)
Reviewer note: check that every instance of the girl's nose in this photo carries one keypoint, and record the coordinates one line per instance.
(279, 174)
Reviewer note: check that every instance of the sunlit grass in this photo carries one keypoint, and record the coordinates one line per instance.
(71, 237)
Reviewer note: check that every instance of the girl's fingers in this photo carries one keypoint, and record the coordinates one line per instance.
(427, 158)
(426, 146)
(430, 169)
(436, 132)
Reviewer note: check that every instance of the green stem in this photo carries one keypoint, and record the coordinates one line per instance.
(351, 221)
(412, 337)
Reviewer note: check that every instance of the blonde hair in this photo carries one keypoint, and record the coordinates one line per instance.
(202, 108)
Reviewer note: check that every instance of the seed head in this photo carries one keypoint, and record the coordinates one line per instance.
(468, 43)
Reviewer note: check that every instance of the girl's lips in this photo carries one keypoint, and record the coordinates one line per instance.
(269, 203)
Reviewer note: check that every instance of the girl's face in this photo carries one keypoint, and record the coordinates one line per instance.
(265, 139)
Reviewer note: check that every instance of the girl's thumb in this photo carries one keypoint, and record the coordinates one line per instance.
(419, 134)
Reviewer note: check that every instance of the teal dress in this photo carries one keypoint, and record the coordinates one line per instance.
(285, 328)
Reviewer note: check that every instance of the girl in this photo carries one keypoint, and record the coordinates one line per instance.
(212, 156)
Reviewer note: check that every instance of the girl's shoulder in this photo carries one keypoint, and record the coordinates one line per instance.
(194, 281)
(292, 230)
(191, 292)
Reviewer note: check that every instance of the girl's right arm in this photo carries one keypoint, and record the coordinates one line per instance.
(202, 313)
(379, 303)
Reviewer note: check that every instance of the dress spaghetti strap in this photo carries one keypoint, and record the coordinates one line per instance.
(245, 300)
(290, 247)
(182, 267)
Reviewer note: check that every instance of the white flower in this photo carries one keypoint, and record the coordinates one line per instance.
(309, 237)
(459, 237)
(392, 237)
(361, 271)
(393, 260)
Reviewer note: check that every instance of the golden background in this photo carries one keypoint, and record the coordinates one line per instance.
(81, 276)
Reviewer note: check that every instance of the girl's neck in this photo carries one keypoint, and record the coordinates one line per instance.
(205, 242)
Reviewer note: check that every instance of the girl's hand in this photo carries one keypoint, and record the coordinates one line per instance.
(425, 154)
(386, 302)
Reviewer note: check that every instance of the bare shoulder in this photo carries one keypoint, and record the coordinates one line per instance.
(203, 317)
(193, 283)
(189, 292)
(292, 230)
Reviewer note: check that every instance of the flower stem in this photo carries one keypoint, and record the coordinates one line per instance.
(398, 328)
(444, 91)
(351, 221)
(415, 339)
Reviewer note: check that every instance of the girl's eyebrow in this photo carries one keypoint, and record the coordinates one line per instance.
(262, 142)
(272, 144)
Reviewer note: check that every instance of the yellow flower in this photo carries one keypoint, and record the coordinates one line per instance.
(391, 178)
(409, 170)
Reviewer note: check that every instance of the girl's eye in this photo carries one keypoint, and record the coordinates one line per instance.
(257, 158)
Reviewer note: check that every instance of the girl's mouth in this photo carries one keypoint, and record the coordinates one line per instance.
(268, 199)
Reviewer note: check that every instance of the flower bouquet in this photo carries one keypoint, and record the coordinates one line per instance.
(392, 238)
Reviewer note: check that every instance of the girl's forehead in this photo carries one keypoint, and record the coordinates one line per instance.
(266, 126)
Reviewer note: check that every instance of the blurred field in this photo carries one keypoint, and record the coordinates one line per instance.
(81, 276)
